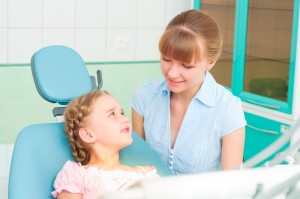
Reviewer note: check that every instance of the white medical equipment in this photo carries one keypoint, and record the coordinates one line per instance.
(272, 180)
(258, 183)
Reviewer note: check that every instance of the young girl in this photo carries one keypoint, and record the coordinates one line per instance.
(192, 122)
(97, 130)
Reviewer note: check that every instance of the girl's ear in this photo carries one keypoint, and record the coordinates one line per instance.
(86, 135)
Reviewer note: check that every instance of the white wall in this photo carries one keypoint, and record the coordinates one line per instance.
(100, 30)
(5, 158)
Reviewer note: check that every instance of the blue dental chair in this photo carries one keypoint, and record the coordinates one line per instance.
(41, 150)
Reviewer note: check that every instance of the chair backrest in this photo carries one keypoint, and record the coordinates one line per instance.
(59, 74)
(41, 150)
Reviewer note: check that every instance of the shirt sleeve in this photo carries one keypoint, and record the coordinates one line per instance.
(140, 97)
(68, 179)
(232, 117)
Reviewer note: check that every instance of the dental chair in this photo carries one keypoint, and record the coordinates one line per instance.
(41, 150)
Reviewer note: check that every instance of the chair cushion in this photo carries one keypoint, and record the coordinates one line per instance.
(60, 74)
(140, 153)
(41, 150)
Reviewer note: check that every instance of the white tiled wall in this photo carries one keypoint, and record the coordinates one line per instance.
(5, 158)
(91, 14)
(24, 15)
(3, 13)
(3, 187)
(3, 41)
(95, 28)
(22, 42)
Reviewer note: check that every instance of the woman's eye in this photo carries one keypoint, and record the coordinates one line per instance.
(112, 114)
(187, 66)
(165, 59)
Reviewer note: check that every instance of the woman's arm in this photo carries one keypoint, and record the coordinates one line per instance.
(68, 195)
(233, 149)
(138, 123)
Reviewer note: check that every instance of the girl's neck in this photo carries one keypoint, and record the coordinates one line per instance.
(108, 162)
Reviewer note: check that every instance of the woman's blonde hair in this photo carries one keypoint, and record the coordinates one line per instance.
(75, 114)
(183, 35)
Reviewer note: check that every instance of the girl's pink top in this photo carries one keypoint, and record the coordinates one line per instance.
(92, 182)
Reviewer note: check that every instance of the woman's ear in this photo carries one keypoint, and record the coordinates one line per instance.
(210, 65)
(86, 135)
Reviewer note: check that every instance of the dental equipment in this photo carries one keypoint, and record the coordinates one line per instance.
(288, 186)
(230, 184)
(274, 147)
(246, 183)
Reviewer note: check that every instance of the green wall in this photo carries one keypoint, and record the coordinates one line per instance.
(21, 105)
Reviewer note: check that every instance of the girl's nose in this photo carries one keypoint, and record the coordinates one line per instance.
(125, 119)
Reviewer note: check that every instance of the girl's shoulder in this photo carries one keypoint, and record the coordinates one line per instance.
(144, 168)
(69, 178)
(147, 171)
(72, 166)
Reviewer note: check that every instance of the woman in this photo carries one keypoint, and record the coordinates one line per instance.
(193, 123)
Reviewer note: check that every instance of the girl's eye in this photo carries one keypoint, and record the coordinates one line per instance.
(112, 114)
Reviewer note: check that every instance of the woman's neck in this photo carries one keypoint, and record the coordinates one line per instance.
(187, 95)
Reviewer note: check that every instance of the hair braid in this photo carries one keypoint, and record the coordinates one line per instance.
(75, 113)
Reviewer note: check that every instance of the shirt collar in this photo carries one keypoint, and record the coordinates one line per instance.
(165, 89)
(208, 91)
(206, 94)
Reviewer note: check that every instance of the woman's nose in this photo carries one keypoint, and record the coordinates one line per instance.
(173, 71)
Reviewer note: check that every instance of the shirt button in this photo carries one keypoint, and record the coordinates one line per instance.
(171, 167)
(171, 162)
(172, 152)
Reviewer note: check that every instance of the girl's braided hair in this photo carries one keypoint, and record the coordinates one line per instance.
(75, 114)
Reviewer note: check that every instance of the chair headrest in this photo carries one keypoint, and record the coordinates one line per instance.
(60, 74)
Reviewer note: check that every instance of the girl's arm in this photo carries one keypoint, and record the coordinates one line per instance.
(233, 149)
(68, 195)
(138, 123)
